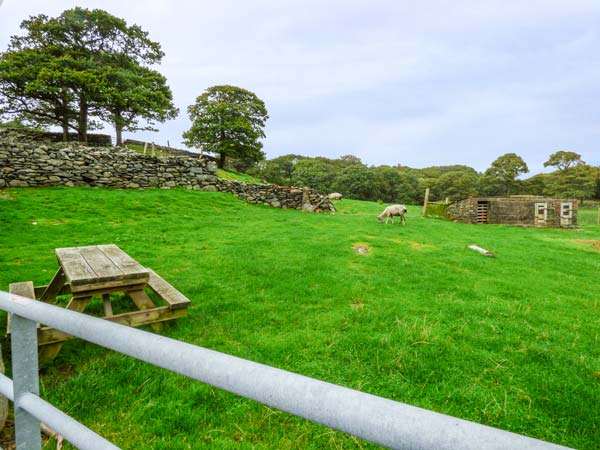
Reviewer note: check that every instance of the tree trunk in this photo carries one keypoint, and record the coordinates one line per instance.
(119, 131)
(222, 156)
(64, 115)
(65, 130)
(83, 118)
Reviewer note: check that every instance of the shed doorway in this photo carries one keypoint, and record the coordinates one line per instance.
(541, 214)
(483, 210)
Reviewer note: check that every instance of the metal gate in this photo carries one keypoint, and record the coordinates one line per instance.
(376, 419)
(541, 214)
(483, 212)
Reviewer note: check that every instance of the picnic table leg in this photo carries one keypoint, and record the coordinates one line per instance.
(142, 301)
(54, 287)
(48, 352)
(107, 305)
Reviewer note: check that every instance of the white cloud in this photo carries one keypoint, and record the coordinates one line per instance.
(430, 82)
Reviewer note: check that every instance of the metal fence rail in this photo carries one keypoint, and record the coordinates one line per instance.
(76, 433)
(379, 420)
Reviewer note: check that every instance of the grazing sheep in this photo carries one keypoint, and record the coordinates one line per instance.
(335, 196)
(391, 212)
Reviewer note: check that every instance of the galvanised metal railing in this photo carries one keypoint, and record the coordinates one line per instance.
(376, 419)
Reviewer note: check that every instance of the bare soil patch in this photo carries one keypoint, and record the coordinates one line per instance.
(595, 244)
(361, 248)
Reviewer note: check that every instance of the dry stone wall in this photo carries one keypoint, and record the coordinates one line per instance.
(35, 164)
(28, 163)
(170, 150)
(93, 139)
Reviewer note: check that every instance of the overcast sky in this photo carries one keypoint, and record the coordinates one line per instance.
(417, 83)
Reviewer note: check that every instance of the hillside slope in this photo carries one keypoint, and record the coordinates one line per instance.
(510, 341)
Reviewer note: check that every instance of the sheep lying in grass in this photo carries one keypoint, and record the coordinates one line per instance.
(335, 196)
(391, 212)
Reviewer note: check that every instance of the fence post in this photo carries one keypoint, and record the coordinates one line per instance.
(25, 379)
(425, 202)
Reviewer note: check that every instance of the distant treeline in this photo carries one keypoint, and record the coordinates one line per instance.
(349, 176)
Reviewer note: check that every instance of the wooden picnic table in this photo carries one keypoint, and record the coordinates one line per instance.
(101, 270)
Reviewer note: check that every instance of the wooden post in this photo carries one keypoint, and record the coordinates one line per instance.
(145, 147)
(153, 150)
(425, 202)
(107, 305)
(305, 197)
(168, 144)
(447, 200)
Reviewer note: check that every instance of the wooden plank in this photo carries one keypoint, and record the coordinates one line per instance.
(50, 336)
(167, 292)
(54, 287)
(147, 316)
(24, 289)
(107, 288)
(48, 352)
(78, 304)
(39, 290)
(76, 269)
(101, 264)
(107, 305)
(124, 262)
(141, 300)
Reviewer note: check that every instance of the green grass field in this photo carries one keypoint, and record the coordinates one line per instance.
(511, 342)
(221, 173)
(237, 176)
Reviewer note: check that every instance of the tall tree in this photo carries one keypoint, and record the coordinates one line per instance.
(456, 185)
(393, 185)
(564, 160)
(228, 120)
(32, 89)
(277, 170)
(132, 94)
(318, 173)
(57, 69)
(578, 181)
(505, 170)
(355, 181)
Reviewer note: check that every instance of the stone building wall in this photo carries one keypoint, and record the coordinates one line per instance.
(514, 210)
(26, 162)
(463, 210)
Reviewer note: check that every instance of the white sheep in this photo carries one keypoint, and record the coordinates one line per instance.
(335, 196)
(391, 212)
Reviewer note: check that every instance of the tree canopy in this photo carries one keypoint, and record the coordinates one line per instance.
(228, 120)
(564, 160)
(505, 170)
(134, 93)
(78, 68)
(401, 184)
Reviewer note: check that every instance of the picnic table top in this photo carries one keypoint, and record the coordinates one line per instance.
(100, 266)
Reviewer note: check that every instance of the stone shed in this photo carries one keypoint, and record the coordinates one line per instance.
(523, 210)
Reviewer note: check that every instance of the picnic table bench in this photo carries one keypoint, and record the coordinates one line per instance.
(101, 270)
